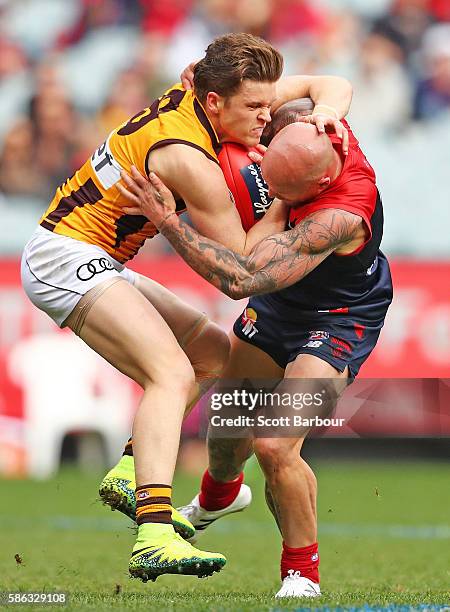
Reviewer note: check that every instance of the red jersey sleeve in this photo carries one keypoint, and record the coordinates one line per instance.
(357, 197)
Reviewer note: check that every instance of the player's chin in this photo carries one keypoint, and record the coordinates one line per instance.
(249, 140)
(253, 139)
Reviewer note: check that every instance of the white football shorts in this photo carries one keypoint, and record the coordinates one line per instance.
(57, 271)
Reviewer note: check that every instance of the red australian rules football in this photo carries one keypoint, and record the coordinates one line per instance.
(245, 182)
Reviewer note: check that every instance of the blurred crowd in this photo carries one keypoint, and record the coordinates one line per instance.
(72, 70)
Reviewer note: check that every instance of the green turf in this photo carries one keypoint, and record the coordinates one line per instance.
(384, 539)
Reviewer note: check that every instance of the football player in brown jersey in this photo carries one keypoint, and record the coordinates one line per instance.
(73, 266)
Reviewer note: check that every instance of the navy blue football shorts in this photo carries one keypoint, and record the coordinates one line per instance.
(340, 340)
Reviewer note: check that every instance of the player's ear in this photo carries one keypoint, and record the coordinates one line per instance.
(324, 182)
(214, 102)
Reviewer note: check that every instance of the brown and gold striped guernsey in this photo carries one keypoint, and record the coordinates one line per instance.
(86, 208)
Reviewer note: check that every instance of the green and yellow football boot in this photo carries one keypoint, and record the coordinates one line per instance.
(117, 490)
(159, 550)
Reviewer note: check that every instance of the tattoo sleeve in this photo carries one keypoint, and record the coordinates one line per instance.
(274, 263)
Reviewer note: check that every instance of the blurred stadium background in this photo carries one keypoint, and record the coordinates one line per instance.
(70, 71)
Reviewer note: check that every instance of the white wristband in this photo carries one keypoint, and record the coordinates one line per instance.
(325, 106)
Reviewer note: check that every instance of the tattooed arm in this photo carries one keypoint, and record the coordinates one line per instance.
(275, 263)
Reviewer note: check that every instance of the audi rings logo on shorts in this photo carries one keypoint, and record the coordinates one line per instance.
(93, 267)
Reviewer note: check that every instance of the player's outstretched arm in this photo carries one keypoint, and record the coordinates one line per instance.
(275, 263)
(330, 92)
(331, 96)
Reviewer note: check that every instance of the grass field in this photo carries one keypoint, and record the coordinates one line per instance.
(384, 540)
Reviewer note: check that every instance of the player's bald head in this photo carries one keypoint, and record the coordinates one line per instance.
(297, 160)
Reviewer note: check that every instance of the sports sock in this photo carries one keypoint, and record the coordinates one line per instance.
(304, 559)
(215, 495)
(128, 450)
(153, 504)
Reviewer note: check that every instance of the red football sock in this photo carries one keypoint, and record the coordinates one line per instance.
(215, 495)
(304, 559)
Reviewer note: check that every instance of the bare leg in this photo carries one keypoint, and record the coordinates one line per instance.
(291, 481)
(271, 505)
(227, 457)
(203, 341)
(124, 328)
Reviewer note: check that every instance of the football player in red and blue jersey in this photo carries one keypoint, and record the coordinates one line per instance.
(319, 293)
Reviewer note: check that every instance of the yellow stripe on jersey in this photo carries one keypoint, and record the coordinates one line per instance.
(86, 207)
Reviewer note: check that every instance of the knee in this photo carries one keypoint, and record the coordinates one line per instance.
(173, 371)
(213, 351)
(274, 456)
(182, 377)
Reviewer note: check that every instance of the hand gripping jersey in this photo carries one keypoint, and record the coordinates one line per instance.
(86, 207)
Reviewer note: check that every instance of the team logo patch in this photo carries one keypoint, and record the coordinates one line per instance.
(316, 339)
(318, 335)
(249, 318)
